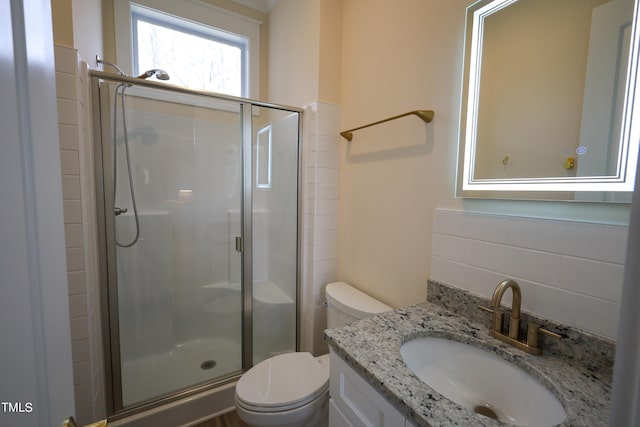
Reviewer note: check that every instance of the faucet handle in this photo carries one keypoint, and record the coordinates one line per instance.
(497, 317)
(532, 334)
(487, 309)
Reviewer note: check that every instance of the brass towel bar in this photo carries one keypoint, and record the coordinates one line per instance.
(425, 115)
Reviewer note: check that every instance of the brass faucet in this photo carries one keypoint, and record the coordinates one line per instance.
(514, 321)
(531, 344)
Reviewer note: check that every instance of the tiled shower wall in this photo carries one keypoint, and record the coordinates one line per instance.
(76, 158)
(569, 271)
(321, 175)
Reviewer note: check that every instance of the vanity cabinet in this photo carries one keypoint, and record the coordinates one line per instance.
(354, 403)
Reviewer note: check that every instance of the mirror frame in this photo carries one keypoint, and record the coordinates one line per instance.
(547, 187)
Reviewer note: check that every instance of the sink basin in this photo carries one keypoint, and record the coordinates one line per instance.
(482, 382)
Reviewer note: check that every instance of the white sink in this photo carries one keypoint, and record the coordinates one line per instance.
(482, 382)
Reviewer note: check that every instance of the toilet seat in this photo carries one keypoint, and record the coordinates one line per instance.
(282, 383)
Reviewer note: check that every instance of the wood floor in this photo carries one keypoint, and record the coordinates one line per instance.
(229, 419)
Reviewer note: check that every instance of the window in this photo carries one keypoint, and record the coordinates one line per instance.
(200, 46)
(195, 56)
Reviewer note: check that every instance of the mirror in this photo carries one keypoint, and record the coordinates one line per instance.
(549, 88)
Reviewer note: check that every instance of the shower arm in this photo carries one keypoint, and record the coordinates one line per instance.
(160, 74)
(100, 61)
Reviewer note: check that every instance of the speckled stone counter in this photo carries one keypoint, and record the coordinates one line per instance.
(372, 347)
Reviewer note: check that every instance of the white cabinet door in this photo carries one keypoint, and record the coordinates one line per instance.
(408, 423)
(336, 417)
(357, 401)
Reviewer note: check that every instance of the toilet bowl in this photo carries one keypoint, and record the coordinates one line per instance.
(286, 390)
(292, 389)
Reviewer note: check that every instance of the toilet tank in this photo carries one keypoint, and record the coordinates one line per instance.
(346, 304)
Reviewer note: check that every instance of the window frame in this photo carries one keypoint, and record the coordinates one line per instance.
(192, 17)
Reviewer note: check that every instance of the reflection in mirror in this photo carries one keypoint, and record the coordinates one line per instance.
(549, 87)
(263, 158)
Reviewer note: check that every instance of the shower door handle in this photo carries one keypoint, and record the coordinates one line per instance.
(119, 211)
(239, 244)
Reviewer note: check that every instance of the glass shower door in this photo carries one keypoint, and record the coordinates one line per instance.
(173, 181)
(275, 231)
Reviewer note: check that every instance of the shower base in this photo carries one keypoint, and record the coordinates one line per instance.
(187, 364)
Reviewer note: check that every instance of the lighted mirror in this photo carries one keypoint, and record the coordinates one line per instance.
(263, 158)
(549, 88)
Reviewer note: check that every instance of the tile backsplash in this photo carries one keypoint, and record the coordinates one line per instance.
(569, 271)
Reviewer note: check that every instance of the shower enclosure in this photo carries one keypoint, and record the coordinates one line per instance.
(197, 203)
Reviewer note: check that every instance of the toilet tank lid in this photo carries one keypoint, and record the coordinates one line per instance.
(352, 301)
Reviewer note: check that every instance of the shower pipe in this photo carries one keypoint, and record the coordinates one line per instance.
(160, 74)
(116, 210)
(425, 115)
(120, 89)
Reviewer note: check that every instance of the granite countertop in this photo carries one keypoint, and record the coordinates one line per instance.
(372, 347)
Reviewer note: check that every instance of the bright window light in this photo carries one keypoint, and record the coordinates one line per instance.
(194, 55)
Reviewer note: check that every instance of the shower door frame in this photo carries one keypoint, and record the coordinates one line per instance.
(106, 242)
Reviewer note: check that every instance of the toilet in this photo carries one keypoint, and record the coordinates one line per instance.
(292, 389)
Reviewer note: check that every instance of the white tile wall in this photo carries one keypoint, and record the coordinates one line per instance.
(77, 192)
(320, 204)
(569, 271)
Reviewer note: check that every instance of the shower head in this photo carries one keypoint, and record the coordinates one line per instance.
(111, 64)
(160, 74)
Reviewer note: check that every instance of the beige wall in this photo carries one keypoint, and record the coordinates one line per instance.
(330, 51)
(397, 59)
(305, 40)
(294, 42)
(87, 29)
(78, 24)
(392, 177)
(62, 20)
